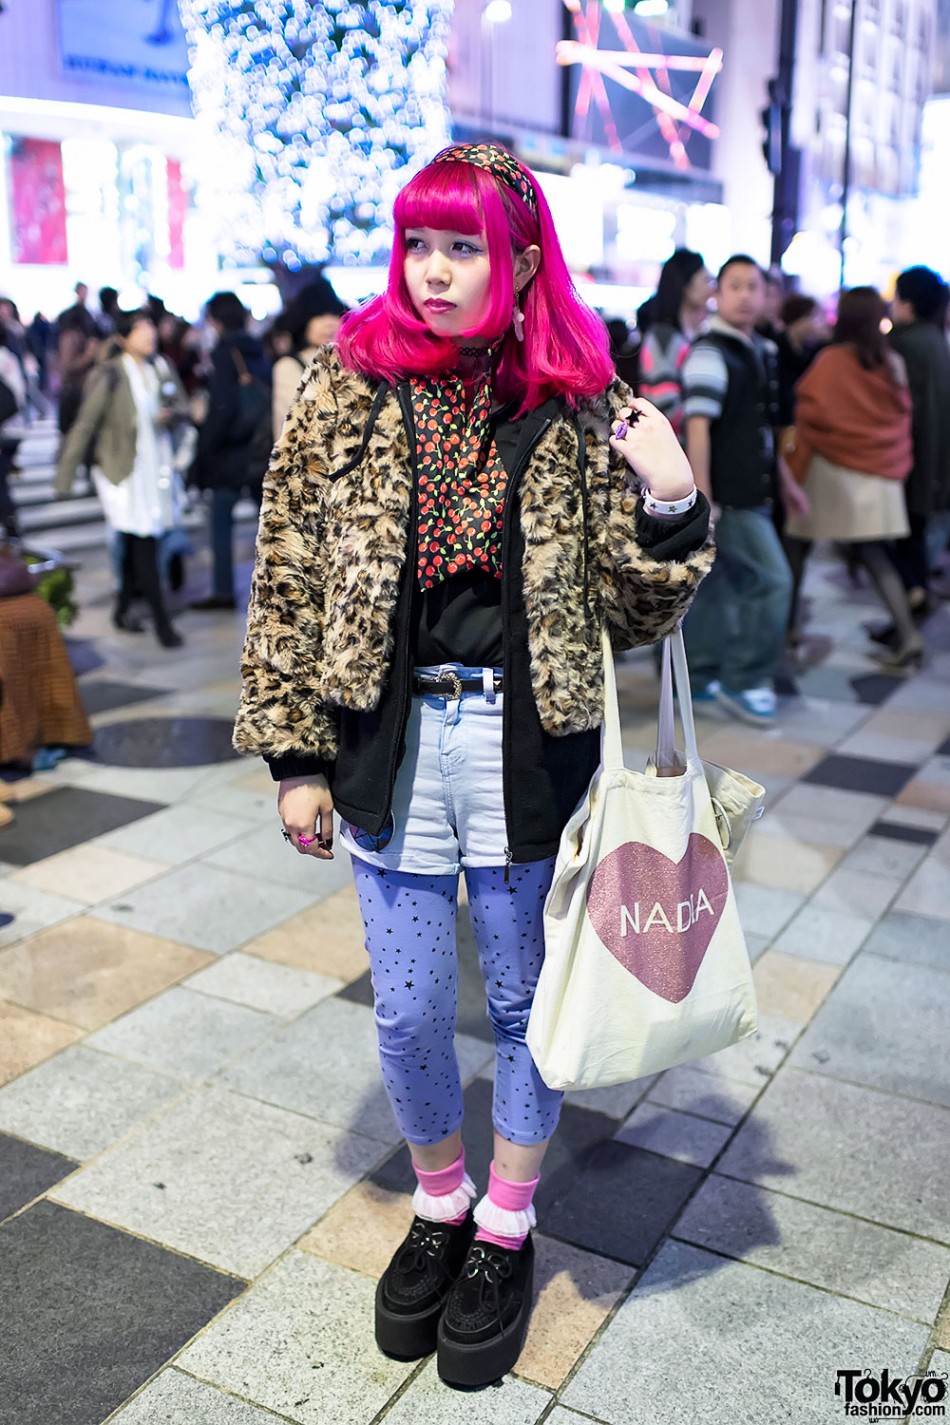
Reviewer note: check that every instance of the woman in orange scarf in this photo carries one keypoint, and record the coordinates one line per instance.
(852, 453)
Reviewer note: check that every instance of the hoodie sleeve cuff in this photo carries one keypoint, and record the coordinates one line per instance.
(297, 764)
(673, 537)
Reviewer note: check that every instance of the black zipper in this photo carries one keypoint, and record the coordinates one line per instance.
(405, 406)
(506, 712)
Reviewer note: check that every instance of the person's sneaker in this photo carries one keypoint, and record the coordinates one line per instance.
(413, 1288)
(753, 705)
(486, 1315)
(706, 700)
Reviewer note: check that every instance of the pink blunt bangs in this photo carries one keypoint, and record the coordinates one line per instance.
(565, 351)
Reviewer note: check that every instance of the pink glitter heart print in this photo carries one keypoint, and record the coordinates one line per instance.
(657, 916)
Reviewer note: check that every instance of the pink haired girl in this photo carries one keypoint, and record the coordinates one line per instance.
(450, 518)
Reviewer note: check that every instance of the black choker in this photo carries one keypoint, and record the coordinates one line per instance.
(475, 351)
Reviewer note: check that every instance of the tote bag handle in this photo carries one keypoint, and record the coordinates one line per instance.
(674, 669)
(611, 747)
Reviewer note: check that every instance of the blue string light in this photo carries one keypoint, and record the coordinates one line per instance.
(313, 117)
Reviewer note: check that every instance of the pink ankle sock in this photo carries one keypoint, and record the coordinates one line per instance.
(507, 1205)
(444, 1182)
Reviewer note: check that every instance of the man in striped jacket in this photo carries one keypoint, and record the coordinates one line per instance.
(735, 631)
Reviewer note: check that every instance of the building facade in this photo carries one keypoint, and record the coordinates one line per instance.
(864, 75)
(96, 132)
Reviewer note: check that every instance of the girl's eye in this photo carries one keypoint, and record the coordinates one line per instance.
(413, 244)
(467, 249)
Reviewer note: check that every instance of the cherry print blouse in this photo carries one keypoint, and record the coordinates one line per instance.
(461, 480)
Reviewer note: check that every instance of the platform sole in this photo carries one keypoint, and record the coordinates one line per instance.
(483, 1362)
(406, 1338)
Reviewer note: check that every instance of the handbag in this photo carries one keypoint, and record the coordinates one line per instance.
(645, 962)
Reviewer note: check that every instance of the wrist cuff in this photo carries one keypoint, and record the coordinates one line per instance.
(653, 506)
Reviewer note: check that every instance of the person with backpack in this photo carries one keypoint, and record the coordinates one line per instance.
(735, 631)
(450, 520)
(668, 321)
(235, 438)
(129, 410)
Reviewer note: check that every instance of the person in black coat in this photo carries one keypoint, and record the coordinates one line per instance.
(919, 312)
(229, 439)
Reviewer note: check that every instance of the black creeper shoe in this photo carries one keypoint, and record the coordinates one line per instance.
(413, 1288)
(486, 1315)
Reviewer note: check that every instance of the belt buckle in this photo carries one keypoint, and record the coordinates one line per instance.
(455, 684)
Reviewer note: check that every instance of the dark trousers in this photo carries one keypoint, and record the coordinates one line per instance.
(140, 577)
(222, 539)
(910, 554)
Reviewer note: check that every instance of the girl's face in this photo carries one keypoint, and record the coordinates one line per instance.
(447, 275)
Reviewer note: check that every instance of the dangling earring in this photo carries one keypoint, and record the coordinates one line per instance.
(517, 317)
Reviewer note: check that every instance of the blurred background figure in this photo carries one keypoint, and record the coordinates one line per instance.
(804, 332)
(852, 454)
(919, 314)
(623, 350)
(17, 339)
(77, 351)
(108, 307)
(232, 440)
(128, 415)
(735, 629)
(40, 340)
(669, 322)
(770, 323)
(12, 427)
(311, 321)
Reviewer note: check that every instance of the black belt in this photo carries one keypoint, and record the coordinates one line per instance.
(450, 685)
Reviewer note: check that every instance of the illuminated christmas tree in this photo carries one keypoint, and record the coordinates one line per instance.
(313, 117)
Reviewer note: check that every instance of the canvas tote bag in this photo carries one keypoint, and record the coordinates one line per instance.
(645, 961)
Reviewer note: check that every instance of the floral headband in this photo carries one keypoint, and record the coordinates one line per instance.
(499, 163)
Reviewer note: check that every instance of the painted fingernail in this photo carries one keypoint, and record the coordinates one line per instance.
(621, 430)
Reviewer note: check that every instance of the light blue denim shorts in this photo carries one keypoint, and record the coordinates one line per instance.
(448, 806)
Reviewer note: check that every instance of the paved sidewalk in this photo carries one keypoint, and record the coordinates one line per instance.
(199, 1176)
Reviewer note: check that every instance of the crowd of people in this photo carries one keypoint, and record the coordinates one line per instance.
(799, 425)
(149, 408)
(799, 428)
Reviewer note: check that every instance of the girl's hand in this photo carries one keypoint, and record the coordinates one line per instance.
(651, 449)
(306, 809)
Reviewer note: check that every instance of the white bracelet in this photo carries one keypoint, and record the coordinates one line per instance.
(653, 506)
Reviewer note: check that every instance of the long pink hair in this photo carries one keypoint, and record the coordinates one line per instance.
(565, 351)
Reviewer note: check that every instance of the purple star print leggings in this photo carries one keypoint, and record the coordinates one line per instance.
(410, 935)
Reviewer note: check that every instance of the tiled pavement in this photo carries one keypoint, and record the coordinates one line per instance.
(199, 1177)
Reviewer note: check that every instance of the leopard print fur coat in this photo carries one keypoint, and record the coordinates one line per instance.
(331, 554)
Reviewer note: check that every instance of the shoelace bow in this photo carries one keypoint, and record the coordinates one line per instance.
(425, 1240)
